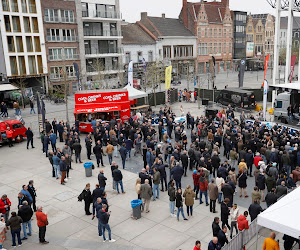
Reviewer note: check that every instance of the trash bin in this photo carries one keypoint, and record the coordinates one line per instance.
(88, 169)
(205, 101)
(136, 209)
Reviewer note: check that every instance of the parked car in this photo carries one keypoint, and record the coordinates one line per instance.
(16, 126)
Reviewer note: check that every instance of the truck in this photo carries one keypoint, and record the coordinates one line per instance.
(16, 126)
(237, 98)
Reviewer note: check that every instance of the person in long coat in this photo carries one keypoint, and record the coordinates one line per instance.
(189, 196)
(242, 182)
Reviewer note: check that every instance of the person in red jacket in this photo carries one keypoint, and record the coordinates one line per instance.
(5, 207)
(9, 134)
(257, 159)
(242, 221)
(196, 177)
(42, 222)
(203, 188)
(197, 245)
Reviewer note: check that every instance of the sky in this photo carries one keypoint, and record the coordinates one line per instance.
(131, 9)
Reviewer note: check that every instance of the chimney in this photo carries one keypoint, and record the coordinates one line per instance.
(225, 3)
(144, 15)
(184, 13)
(163, 15)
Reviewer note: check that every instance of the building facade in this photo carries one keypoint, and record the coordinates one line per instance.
(100, 38)
(283, 32)
(239, 34)
(62, 43)
(22, 39)
(212, 23)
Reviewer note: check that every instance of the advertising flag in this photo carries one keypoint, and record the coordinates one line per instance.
(76, 67)
(130, 74)
(242, 73)
(265, 98)
(168, 77)
(266, 67)
(41, 112)
(293, 61)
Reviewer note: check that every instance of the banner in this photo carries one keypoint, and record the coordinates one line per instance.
(41, 113)
(293, 61)
(130, 74)
(265, 98)
(76, 67)
(168, 77)
(266, 68)
(250, 49)
(242, 73)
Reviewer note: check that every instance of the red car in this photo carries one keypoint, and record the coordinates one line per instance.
(16, 126)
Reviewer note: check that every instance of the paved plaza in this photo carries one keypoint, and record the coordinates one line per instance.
(70, 228)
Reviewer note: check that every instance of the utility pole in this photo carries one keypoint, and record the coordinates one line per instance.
(199, 93)
(66, 92)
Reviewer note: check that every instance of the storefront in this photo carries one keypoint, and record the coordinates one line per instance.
(101, 105)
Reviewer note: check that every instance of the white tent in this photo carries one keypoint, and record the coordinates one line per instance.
(7, 87)
(283, 216)
(135, 93)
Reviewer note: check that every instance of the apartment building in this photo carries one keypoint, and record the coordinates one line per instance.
(62, 43)
(100, 38)
(22, 38)
(239, 34)
(283, 32)
(212, 23)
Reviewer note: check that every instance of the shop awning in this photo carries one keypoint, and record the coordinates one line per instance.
(7, 87)
(135, 93)
(96, 109)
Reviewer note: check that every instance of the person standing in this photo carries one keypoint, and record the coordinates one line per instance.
(5, 207)
(214, 244)
(42, 222)
(225, 212)
(185, 161)
(54, 126)
(203, 188)
(213, 195)
(118, 177)
(242, 182)
(172, 197)
(29, 135)
(98, 151)
(77, 148)
(32, 107)
(215, 226)
(63, 170)
(86, 195)
(242, 221)
(234, 214)
(31, 189)
(156, 181)
(146, 194)
(179, 204)
(25, 212)
(123, 153)
(60, 130)
(46, 144)
(189, 196)
(88, 145)
(222, 238)
(104, 218)
(15, 227)
(254, 210)
(270, 243)
(177, 173)
(53, 138)
(102, 180)
(9, 135)
(109, 150)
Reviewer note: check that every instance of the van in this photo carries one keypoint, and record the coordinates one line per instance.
(236, 98)
(16, 126)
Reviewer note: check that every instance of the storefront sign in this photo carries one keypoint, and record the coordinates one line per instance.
(94, 98)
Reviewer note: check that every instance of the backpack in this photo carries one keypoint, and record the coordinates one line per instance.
(81, 196)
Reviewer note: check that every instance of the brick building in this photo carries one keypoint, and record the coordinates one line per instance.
(212, 23)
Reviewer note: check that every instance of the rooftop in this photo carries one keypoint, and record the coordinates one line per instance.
(133, 34)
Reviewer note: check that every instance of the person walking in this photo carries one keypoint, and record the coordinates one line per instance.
(77, 148)
(156, 181)
(109, 150)
(179, 204)
(5, 205)
(63, 170)
(254, 210)
(32, 190)
(46, 144)
(86, 195)
(53, 138)
(234, 214)
(104, 218)
(172, 197)
(189, 196)
(213, 195)
(32, 106)
(225, 212)
(29, 135)
(243, 222)
(102, 180)
(270, 243)
(42, 222)
(123, 153)
(25, 212)
(98, 151)
(15, 228)
(177, 173)
(146, 194)
(138, 187)
(242, 182)
(203, 188)
(117, 176)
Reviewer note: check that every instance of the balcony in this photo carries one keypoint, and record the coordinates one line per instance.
(87, 32)
(62, 39)
(92, 51)
(56, 19)
(85, 14)
(63, 57)
(102, 14)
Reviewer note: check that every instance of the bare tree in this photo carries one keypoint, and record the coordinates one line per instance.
(98, 67)
(21, 84)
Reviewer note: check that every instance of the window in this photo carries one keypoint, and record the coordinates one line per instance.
(140, 56)
(29, 44)
(7, 24)
(67, 16)
(32, 7)
(225, 32)
(150, 56)
(68, 35)
(92, 29)
(24, 6)
(13, 65)
(14, 6)
(210, 32)
(220, 48)
(55, 54)
(205, 32)
(16, 24)
(53, 35)
(37, 44)
(183, 51)
(35, 26)
(127, 57)
(51, 15)
(199, 32)
(19, 43)
(5, 5)
(22, 66)
(27, 24)
(85, 9)
(224, 48)
(70, 71)
(215, 32)
(70, 53)
(259, 28)
(202, 49)
(220, 32)
(215, 48)
(11, 44)
(32, 65)
(40, 64)
(278, 104)
(210, 49)
(55, 73)
(250, 28)
(166, 51)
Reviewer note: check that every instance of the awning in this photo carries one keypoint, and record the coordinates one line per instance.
(135, 93)
(7, 87)
(283, 215)
(96, 109)
(287, 87)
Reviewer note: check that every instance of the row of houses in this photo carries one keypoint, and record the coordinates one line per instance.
(44, 41)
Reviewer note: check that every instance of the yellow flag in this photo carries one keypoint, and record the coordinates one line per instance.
(168, 77)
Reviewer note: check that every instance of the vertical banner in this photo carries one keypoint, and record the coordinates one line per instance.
(266, 67)
(41, 112)
(130, 74)
(293, 61)
(168, 77)
(76, 67)
(242, 73)
(265, 98)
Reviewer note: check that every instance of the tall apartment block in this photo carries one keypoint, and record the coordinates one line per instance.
(99, 30)
(62, 43)
(22, 53)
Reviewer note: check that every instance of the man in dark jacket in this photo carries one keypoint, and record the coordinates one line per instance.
(254, 210)
(163, 175)
(60, 129)
(48, 126)
(46, 144)
(222, 239)
(228, 192)
(249, 159)
(271, 197)
(172, 197)
(29, 135)
(25, 212)
(15, 226)
(104, 218)
(215, 226)
(177, 173)
(117, 176)
(225, 211)
(102, 180)
(123, 153)
(32, 191)
(185, 161)
(98, 153)
(97, 193)
(63, 170)
(77, 148)
(281, 189)
(214, 244)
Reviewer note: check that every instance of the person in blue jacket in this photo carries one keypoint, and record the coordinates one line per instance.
(53, 138)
